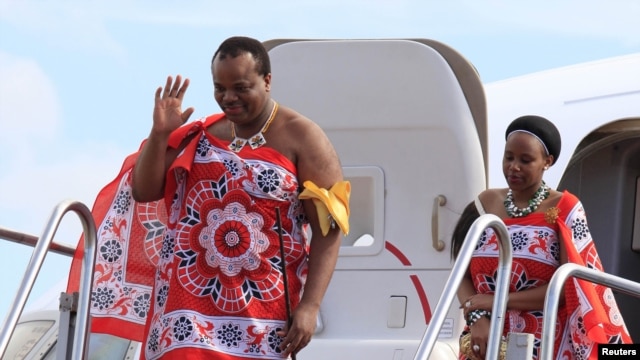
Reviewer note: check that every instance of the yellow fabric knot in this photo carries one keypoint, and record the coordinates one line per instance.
(332, 205)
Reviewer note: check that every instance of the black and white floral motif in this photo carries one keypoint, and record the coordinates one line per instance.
(254, 349)
(182, 329)
(203, 147)
(268, 180)
(153, 340)
(123, 202)
(274, 340)
(230, 335)
(519, 240)
(102, 298)
(554, 248)
(111, 250)
(108, 224)
(161, 298)
(168, 246)
(580, 229)
(483, 240)
(233, 167)
(141, 305)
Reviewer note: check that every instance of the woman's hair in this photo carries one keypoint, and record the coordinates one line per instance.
(468, 216)
(542, 129)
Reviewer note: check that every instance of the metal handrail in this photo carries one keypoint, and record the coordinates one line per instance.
(455, 278)
(31, 240)
(556, 285)
(33, 268)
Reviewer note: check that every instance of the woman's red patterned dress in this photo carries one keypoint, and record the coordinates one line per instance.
(536, 255)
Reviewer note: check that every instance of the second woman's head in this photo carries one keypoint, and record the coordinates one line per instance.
(532, 145)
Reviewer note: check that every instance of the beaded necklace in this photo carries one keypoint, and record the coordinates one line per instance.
(539, 196)
(255, 141)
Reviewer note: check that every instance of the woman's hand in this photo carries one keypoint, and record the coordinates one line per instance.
(477, 301)
(480, 336)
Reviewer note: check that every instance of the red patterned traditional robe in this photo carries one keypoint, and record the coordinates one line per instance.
(198, 275)
(590, 314)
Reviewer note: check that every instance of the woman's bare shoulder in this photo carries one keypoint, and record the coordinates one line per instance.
(493, 200)
(551, 201)
(491, 195)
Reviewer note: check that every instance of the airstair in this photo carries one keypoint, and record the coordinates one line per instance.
(72, 342)
(519, 345)
(73, 327)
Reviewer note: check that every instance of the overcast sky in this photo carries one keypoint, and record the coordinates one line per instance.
(78, 77)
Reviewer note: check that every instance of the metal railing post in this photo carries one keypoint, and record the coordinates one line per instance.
(556, 285)
(455, 278)
(33, 268)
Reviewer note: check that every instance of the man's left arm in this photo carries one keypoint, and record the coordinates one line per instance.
(317, 162)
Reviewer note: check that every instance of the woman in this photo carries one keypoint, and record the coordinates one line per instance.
(547, 228)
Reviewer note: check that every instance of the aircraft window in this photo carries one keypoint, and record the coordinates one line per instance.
(636, 222)
(366, 224)
(104, 346)
(25, 337)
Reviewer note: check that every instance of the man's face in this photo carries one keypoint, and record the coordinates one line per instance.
(240, 91)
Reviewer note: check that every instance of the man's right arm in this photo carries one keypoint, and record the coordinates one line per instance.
(149, 172)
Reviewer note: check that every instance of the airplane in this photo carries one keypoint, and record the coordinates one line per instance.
(419, 135)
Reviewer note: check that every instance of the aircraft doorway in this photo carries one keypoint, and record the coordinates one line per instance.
(604, 173)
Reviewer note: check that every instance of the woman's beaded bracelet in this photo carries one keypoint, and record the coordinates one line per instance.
(475, 315)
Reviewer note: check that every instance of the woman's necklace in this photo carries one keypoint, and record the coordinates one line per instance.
(513, 211)
(256, 140)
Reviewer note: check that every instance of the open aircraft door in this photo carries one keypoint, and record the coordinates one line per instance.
(408, 120)
(595, 107)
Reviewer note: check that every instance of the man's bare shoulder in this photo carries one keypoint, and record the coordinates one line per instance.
(295, 122)
(303, 140)
(298, 131)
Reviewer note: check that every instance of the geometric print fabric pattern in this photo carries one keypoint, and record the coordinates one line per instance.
(536, 242)
(219, 287)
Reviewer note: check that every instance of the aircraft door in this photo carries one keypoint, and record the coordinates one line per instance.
(408, 120)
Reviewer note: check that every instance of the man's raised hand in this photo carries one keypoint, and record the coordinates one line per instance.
(167, 112)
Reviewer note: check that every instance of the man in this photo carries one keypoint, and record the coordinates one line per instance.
(219, 290)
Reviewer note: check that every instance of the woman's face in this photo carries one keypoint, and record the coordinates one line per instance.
(524, 161)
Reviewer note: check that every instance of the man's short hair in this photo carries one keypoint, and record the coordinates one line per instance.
(238, 45)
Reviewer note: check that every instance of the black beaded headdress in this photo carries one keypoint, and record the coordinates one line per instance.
(540, 127)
